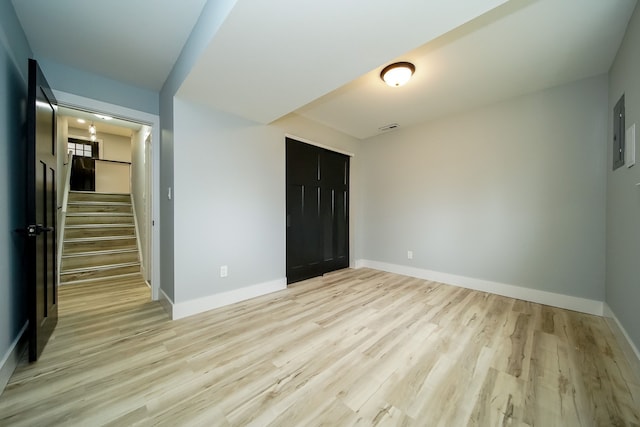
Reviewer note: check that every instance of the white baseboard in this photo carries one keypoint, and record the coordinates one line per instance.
(628, 347)
(582, 305)
(360, 263)
(166, 302)
(12, 357)
(199, 305)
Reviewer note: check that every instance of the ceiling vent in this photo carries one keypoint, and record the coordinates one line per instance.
(387, 128)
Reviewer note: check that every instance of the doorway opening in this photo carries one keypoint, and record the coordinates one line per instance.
(107, 163)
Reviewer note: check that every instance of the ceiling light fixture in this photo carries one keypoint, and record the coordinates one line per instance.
(397, 74)
(82, 121)
(92, 132)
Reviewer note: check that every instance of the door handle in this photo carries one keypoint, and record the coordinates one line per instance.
(37, 229)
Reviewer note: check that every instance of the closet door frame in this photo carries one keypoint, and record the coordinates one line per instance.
(317, 209)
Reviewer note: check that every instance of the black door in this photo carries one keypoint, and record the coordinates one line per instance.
(317, 211)
(83, 165)
(41, 279)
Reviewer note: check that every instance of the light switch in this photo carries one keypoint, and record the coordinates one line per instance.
(630, 146)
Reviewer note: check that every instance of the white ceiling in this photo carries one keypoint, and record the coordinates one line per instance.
(114, 126)
(322, 59)
(132, 41)
(270, 58)
(521, 47)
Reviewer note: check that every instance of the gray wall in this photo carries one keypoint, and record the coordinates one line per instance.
(81, 83)
(166, 184)
(512, 193)
(212, 16)
(623, 196)
(229, 198)
(14, 52)
(229, 202)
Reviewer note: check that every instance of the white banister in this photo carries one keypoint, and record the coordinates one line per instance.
(63, 213)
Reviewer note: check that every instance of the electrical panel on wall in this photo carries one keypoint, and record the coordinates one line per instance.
(618, 134)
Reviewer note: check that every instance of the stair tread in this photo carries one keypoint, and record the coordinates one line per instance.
(99, 214)
(100, 238)
(95, 279)
(110, 225)
(99, 267)
(100, 252)
(97, 193)
(97, 202)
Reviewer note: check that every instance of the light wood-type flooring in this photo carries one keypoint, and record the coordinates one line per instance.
(356, 347)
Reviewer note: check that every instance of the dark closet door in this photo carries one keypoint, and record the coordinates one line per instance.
(335, 205)
(317, 211)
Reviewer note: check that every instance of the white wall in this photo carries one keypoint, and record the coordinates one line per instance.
(139, 193)
(512, 193)
(113, 147)
(623, 196)
(229, 198)
(110, 177)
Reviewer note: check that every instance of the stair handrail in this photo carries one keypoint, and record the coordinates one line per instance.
(63, 212)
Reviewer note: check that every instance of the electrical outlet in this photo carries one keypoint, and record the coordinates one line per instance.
(410, 254)
(224, 271)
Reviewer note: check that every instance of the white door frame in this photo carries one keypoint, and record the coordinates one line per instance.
(79, 102)
(148, 196)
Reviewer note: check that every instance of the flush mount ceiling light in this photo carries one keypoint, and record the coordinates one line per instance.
(397, 74)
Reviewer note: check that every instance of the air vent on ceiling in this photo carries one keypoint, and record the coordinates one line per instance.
(387, 128)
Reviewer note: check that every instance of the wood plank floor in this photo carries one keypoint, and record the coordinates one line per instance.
(356, 347)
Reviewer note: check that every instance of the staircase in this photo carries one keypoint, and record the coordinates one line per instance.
(99, 238)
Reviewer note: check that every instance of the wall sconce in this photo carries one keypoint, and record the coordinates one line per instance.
(397, 74)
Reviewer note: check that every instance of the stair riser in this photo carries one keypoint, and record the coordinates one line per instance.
(97, 197)
(99, 245)
(89, 275)
(85, 233)
(97, 260)
(97, 219)
(72, 209)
